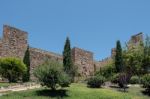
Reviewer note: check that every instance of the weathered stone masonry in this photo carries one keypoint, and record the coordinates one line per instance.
(84, 60)
(14, 43)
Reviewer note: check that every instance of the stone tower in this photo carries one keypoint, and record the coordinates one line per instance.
(84, 60)
(135, 40)
(13, 43)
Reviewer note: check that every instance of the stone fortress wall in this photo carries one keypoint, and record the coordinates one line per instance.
(14, 43)
(38, 57)
(134, 41)
(84, 60)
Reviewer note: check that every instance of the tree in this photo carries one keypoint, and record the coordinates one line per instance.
(122, 81)
(26, 60)
(51, 74)
(67, 59)
(133, 59)
(12, 68)
(146, 56)
(118, 57)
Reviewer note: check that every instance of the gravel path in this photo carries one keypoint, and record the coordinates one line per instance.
(19, 87)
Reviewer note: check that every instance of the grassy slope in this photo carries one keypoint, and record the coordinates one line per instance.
(76, 91)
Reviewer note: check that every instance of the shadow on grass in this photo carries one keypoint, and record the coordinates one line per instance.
(52, 93)
(117, 88)
(113, 86)
(146, 92)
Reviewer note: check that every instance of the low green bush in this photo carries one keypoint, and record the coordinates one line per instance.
(146, 82)
(107, 71)
(115, 78)
(96, 81)
(51, 74)
(134, 80)
(12, 68)
(64, 80)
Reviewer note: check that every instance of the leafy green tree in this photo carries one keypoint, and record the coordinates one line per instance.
(146, 57)
(133, 59)
(67, 59)
(12, 68)
(51, 74)
(118, 57)
(26, 60)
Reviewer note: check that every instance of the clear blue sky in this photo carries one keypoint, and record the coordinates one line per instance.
(94, 25)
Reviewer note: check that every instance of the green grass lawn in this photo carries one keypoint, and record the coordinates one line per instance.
(78, 91)
(4, 84)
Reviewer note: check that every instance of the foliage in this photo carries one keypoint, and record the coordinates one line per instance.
(121, 79)
(133, 58)
(107, 71)
(146, 57)
(96, 81)
(146, 82)
(67, 60)
(115, 78)
(118, 57)
(134, 80)
(64, 80)
(12, 68)
(26, 60)
(51, 74)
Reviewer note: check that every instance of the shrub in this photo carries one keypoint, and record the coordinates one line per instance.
(12, 68)
(107, 71)
(121, 79)
(64, 80)
(134, 80)
(96, 81)
(115, 78)
(51, 74)
(146, 82)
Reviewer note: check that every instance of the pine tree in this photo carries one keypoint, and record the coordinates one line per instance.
(118, 57)
(26, 60)
(67, 59)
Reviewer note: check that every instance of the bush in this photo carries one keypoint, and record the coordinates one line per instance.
(12, 68)
(107, 71)
(51, 74)
(115, 78)
(121, 79)
(64, 80)
(134, 80)
(146, 82)
(96, 81)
